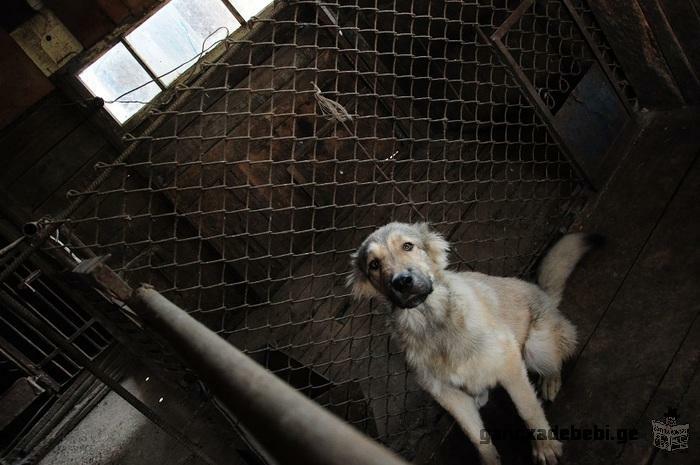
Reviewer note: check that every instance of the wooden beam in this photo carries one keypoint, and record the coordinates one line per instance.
(684, 18)
(672, 49)
(635, 46)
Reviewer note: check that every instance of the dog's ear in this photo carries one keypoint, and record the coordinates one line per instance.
(435, 245)
(357, 281)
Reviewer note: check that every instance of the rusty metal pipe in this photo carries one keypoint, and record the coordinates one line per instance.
(290, 427)
(31, 228)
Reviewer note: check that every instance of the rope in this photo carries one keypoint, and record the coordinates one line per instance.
(331, 108)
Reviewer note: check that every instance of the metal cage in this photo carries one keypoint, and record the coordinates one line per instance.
(241, 199)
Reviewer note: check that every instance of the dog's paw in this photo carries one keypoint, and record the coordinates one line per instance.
(489, 456)
(549, 387)
(482, 398)
(546, 451)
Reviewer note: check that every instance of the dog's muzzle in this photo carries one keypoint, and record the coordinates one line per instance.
(408, 289)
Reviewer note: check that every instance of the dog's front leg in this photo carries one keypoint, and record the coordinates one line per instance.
(465, 410)
(545, 451)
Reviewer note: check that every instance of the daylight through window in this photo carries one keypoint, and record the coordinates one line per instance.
(154, 54)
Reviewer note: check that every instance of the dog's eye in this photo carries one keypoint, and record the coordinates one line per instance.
(374, 265)
(407, 246)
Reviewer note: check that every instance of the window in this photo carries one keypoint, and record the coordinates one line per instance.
(113, 75)
(153, 55)
(249, 8)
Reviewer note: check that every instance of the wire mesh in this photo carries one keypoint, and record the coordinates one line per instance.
(551, 51)
(594, 30)
(244, 203)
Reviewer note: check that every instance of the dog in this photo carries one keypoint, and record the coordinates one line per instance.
(465, 332)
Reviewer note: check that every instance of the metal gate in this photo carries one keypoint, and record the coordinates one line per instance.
(242, 198)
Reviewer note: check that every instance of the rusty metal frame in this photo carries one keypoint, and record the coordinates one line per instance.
(528, 88)
(64, 344)
(29, 367)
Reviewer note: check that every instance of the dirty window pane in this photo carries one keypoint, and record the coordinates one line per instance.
(115, 73)
(170, 41)
(249, 8)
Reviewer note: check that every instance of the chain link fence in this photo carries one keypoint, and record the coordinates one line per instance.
(242, 200)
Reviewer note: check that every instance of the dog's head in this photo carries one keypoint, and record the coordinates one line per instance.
(399, 262)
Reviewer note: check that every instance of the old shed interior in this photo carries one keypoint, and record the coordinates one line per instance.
(233, 154)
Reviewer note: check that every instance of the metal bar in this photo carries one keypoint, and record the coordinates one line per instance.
(239, 17)
(55, 337)
(531, 94)
(512, 19)
(292, 428)
(11, 352)
(598, 56)
(154, 77)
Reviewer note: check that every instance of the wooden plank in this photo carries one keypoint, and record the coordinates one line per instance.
(78, 179)
(642, 304)
(632, 39)
(626, 209)
(684, 18)
(689, 413)
(139, 6)
(677, 389)
(84, 18)
(115, 9)
(57, 165)
(21, 146)
(675, 54)
(22, 82)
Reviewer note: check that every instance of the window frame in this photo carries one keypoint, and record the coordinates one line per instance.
(68, 76)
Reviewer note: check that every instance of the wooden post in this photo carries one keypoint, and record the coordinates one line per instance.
(632, 39)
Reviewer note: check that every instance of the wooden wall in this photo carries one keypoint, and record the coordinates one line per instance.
(658, 45)
(90, 21)
(46, 141)
(656, 41)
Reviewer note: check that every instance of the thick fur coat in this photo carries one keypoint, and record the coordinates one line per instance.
(464, 333)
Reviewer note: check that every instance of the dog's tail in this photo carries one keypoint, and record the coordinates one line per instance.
(561, 259)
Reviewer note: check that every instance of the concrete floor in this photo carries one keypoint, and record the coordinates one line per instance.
(114, 432)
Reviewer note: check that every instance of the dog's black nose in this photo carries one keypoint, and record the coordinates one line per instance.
(402, 281)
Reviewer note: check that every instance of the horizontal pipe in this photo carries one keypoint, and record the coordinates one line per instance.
(290, 427)
(32, 228)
